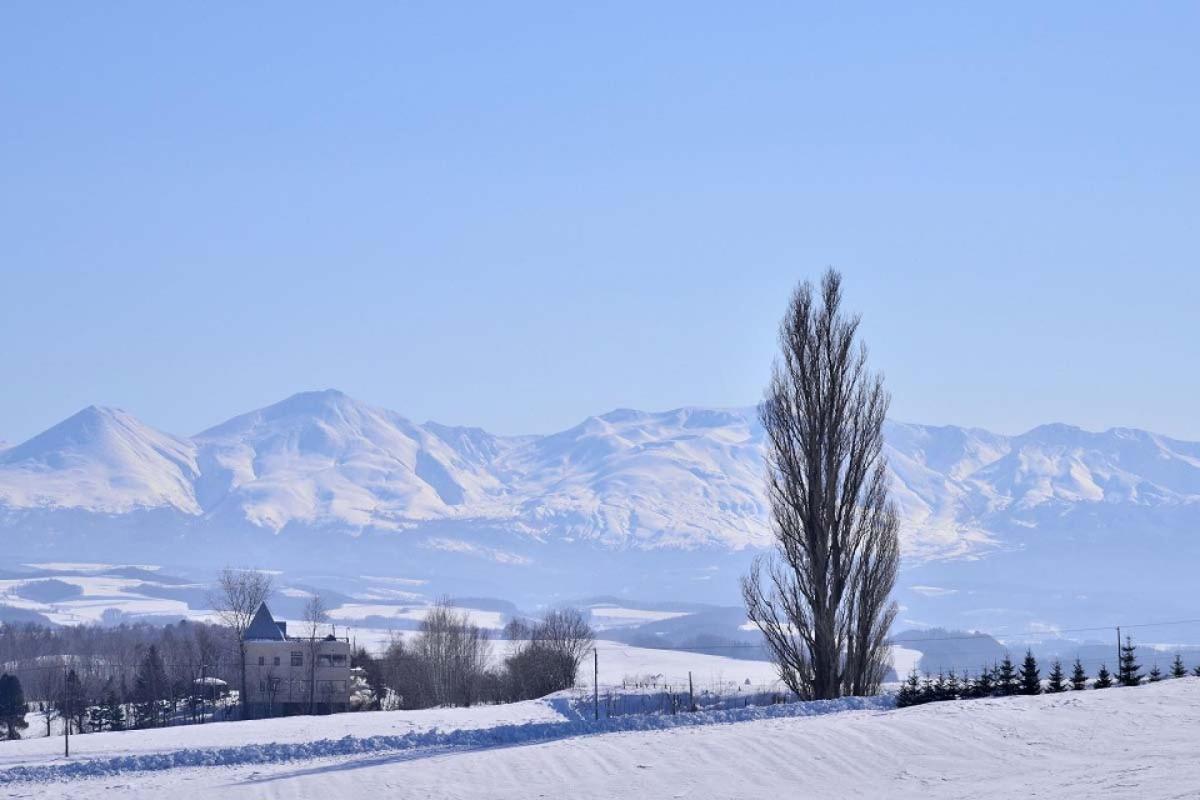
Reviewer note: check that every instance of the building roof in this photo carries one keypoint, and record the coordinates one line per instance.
(264, 627)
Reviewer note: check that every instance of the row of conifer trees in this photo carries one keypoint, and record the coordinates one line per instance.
(1006, 678)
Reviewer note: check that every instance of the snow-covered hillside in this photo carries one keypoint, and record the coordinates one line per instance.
(1124, 743)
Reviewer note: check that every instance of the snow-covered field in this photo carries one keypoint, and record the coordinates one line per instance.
(1134, 743)
(622, 663)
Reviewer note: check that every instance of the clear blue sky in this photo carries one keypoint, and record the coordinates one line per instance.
(518, 215)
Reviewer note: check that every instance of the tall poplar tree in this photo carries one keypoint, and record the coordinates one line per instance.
(822, 601)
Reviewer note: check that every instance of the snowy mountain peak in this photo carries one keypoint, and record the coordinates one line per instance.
(682, 478)
(100, 459)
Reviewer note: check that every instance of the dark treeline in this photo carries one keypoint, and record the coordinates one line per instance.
(1006, 678)
(103, 678)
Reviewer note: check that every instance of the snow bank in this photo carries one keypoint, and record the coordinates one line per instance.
(426, 740)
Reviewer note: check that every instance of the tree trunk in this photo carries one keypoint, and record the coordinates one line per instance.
(243, 699)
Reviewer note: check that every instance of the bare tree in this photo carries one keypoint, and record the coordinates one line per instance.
(545, 656)
(454, 656)
(269, 686)
(238, 595)
(49, 688)
(315, 616)
(823, 604)
(567, 633)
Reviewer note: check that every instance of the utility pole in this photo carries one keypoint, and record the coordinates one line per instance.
(67, 718)
(596, 683)
(691, 694)
(1118, 649)
(203, 688)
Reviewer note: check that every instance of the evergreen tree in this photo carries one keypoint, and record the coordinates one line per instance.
(107, 714)
(72, 705)
(1128, 672)
(939, 687)
(1057, 682)
(1006, 677)
(12, 706)
(116, 712)
(150, 686)
(1103, 678)
(1078, 676)
(97, 718)
(1178, 670)
(1031, 678)
(1196, 670)
(953, 686)
(984, 687)
(910, 690)
(1155, 674)
(928, 692)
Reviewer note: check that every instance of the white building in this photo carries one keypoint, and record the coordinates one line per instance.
(294, 675)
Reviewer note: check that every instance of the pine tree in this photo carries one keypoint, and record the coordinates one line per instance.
(928, 691)
(953, 686)
(115, 711)
(97, 718)
(1057, 682)
(12, 706)
(1155, 674)
(1178, 670)
(1128, 673)
(1006, 677)
(1103, 678)
(1078, 676)
(939, 687)
(1031, 678)
(984, 687)
(1196, 670)
(150, 685)
(72, 704)
(910, 690)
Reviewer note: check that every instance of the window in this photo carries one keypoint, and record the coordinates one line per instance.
(262, 686)
(297, 658)
(339, 659)
(261, 660)
(277, 661)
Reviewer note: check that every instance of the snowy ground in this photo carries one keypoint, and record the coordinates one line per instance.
(1134, 743)
(290, 730)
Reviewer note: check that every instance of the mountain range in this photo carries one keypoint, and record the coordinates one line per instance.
(322, 478)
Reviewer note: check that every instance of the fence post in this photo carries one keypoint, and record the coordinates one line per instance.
(67, 717)
(691, 694)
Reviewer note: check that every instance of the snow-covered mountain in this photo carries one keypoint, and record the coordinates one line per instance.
(687, 480)
(102, 460)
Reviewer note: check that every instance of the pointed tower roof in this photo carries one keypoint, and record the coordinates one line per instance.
(264, 626)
